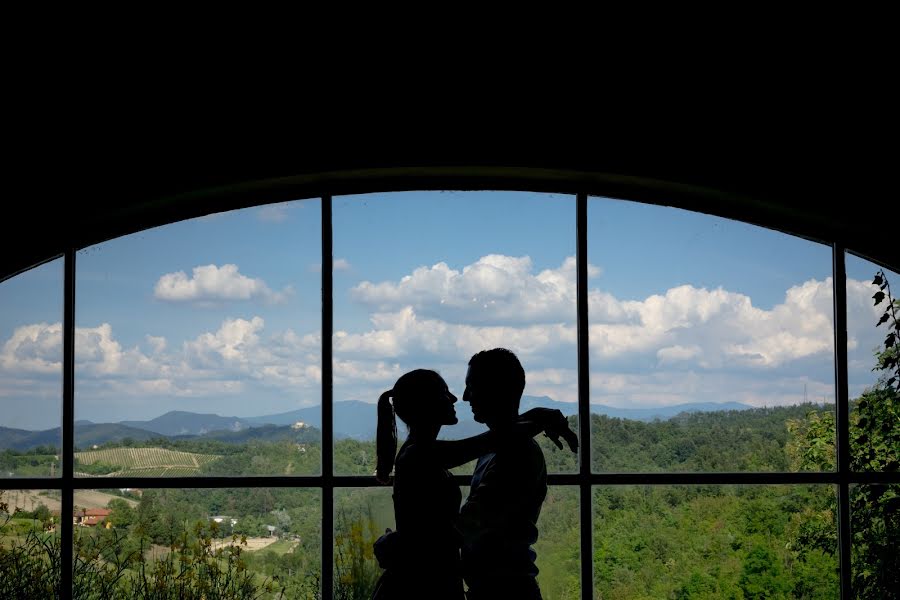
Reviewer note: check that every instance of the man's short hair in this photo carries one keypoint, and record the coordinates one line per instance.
(505, 369)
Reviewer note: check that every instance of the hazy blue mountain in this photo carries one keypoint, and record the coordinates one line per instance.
(311, 416)
(635, 414)
(665, 412)
(179, 422)
(266, 433)
(20, 439)
(357, 419)
(99, 433)
(86, 435)
(352, 418)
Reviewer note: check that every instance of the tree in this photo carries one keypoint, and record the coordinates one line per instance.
(874, 447)
(761, 575)
(888, 359)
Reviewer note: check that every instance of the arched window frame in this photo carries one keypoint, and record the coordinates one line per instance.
(585, 480)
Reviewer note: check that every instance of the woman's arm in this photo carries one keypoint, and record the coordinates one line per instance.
(452, 453)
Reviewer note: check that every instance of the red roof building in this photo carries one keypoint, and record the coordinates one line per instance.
(90, 517)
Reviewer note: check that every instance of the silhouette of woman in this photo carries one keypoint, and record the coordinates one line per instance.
(421, 559)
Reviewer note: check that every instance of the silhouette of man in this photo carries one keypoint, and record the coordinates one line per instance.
(498, 521)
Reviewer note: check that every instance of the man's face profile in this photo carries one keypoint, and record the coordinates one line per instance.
(482, 395)
(474, 394)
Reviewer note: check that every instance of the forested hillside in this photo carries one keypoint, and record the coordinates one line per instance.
(712, 541)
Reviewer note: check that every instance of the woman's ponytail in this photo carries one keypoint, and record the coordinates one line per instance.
(386, 438)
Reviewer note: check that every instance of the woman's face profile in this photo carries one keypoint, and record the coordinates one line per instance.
(441, 400)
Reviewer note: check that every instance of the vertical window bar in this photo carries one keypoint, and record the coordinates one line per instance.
(327, 398)
(584, 408)
(68, 427)
(842, 416)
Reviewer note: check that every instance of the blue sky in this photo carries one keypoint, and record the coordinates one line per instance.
(222, 314)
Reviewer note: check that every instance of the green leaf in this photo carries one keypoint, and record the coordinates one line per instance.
(878, 296)
(883, 319)
(878, 280)
(889, 340)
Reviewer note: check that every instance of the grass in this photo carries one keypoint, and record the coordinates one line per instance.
(280, 547)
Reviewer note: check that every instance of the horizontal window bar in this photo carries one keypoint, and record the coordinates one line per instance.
(368, 481)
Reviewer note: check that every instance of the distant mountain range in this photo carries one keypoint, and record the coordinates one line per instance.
(352, 418)
(180, 422)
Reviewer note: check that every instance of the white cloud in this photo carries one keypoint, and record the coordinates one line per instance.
(231, 343)
(685, 344)
(273, 213)
(35, 348)
(210, 283)
(668, 388)
(403, 333)
(338, 264)
(716, 328)
(557, 383)
(157, 343)
(672, 354)
(225, 361)
(355, 371)
(696, 326)
(494, 289)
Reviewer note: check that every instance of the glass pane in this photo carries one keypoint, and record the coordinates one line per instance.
(31, 358)
(715, 542)
(875, 523)
(427, 279)
(559, 545)
(361, 516)
(711, 341)
(29, 543)
(198, 347)
(873, 371)
(241, 542)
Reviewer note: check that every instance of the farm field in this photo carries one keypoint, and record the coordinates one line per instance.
(143, 462)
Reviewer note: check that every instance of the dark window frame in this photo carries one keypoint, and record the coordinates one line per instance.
(842, 478)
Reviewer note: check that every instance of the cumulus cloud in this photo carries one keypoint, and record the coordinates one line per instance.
(677, 353)
(682, 334)
(669, 388)
(224, 361)
(404, 333)
(716, 328)
(684, 344)
(441, 309)
(35, 348)
(273, 213)
(494, 289)
(338, 264)
(157, 343)
(210, 283)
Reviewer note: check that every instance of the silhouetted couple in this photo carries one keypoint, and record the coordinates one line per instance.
(488, 541)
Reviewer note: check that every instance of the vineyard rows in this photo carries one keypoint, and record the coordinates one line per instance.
(145, 458)
(149, 472)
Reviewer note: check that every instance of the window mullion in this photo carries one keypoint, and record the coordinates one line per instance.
(842, 417)
(584, 409)
(327, 403)
(67, 448)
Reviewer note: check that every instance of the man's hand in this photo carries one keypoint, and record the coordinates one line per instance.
(554, 425)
